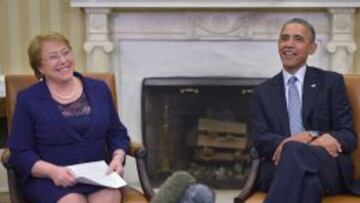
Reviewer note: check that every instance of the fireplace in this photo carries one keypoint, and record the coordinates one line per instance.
(207, 38)
(198, 125)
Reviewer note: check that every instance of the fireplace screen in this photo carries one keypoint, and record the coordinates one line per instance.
(198, 125)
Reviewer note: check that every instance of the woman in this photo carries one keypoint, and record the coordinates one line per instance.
(63, 119)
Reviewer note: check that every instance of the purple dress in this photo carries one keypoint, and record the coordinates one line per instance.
(77, 115)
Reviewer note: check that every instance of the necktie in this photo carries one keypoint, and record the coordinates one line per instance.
(294, 107)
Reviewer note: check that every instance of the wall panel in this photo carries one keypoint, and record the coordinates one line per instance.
(20, 20)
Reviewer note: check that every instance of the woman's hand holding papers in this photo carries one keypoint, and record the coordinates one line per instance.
(117, 161)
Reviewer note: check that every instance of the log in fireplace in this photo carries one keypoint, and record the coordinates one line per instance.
(198, 125)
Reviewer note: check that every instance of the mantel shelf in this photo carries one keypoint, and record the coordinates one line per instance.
(215, 4)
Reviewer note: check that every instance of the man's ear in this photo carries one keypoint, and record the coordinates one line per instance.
(313, 48)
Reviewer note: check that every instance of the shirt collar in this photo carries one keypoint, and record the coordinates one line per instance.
(300, 74)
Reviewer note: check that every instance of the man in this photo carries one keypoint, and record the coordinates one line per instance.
(302, 125)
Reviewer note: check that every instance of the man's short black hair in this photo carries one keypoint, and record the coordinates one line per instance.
(304, 23)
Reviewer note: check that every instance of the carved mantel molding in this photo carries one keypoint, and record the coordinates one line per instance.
(342, 45)
(221, 24)
(97, 45)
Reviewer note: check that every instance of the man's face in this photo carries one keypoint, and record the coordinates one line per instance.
(295, 46)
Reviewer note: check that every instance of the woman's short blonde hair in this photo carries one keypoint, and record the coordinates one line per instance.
(34, 49)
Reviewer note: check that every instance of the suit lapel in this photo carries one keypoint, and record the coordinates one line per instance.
(277, 95)
(311, 87)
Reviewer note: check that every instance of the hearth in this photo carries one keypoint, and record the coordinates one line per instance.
(198, 125)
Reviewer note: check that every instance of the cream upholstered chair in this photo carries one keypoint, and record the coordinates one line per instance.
(15, 83)
(248, 195)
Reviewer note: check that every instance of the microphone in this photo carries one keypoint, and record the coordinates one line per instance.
(173, 188)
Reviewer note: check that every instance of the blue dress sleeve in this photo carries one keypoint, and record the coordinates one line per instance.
(117, 137)
(21, 140)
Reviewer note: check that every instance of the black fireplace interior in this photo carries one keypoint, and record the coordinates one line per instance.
(198, 125)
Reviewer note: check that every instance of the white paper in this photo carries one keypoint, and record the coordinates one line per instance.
(95, 173)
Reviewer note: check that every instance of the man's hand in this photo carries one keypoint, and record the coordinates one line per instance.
(303, 137)
(329, 143)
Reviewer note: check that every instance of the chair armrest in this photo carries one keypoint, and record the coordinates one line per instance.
(14, 194)
(139, 153)
(5, 158)
(248, 188)
(134, 148)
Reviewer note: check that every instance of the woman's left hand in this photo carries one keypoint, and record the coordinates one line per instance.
(117, 161)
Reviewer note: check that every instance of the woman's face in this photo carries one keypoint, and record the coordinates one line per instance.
(57, 61)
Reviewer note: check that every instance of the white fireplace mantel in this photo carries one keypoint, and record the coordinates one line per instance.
(160, 38)
(340, 44)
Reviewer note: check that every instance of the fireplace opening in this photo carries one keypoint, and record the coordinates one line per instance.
(198, 125)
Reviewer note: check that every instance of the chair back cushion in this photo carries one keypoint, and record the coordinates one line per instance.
(16, 83)
(352, 82)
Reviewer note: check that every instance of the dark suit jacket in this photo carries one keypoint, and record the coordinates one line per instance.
(40, 132)
(325, 108)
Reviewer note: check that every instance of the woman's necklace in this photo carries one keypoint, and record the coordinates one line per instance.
(64, 97)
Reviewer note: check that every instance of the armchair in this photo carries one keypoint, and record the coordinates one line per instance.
(15, 83)
(248, 193)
